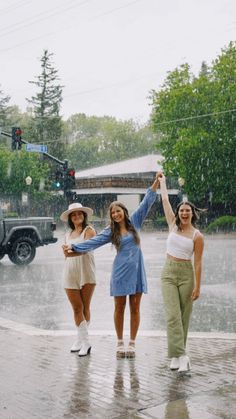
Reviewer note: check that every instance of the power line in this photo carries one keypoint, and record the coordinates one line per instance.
(14, 6)
(165, 122)
(195, 117)
(37, 17)
(115, 9)
(66, 28)
(160, 123)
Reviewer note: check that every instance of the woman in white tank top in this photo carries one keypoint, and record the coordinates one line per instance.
(181, 280)
(79, 274)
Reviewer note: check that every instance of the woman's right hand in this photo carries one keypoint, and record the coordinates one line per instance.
(160, 176)
(66, 250)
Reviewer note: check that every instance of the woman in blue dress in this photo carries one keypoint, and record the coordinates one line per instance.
(128, 277)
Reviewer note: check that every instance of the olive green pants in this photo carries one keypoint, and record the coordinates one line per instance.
(177, 286)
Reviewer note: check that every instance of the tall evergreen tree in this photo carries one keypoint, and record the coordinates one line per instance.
(47, 123)
(3, 109)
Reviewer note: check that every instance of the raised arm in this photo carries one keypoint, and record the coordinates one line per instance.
(144, 207)
(169, 213)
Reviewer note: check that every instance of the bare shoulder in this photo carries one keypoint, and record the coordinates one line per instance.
(198, 242)
(198, 236)
(89, 232)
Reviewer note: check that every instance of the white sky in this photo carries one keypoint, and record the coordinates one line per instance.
(109, 53)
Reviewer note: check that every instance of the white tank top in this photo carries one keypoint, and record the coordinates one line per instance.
(180, 247)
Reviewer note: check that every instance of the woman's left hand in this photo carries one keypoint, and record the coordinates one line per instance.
(195, 294)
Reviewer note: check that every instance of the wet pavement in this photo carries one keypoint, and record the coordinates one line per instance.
(41, 379)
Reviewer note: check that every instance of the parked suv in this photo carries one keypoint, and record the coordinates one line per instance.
(19, 237)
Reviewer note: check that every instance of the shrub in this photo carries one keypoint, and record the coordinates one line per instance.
(225, 223)
(11, 215)
(160, 222)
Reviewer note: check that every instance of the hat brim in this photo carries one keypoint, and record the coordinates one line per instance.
(65, 214)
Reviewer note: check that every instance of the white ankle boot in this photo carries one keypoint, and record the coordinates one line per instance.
(184, 363)
(76, 345)
(85, 347)
(174, 364)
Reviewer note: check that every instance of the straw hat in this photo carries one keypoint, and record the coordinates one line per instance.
(75, 207)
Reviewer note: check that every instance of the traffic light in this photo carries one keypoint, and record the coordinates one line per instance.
(16, 138)
(69, 181)
(58, 183)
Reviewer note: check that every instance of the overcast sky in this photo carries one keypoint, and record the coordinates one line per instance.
(109, 53)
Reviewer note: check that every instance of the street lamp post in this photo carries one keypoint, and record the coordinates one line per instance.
(181, 182)
(26, 195)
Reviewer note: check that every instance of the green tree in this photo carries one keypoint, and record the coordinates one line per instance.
(46, 124)
(15, 167)
(102, 140)
(195, 118)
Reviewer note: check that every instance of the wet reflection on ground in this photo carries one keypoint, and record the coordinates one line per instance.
(126, 380)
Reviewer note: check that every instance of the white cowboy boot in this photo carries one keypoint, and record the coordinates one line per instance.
(85, 347)
(78, 343)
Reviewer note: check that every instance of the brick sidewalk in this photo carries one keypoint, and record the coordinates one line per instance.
(40, 378)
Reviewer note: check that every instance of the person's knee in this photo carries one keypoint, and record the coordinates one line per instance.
(173, 321)
(78, 309)
(120, 307)
(134, 309)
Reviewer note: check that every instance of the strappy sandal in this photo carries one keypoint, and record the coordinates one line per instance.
(130, 353)
(120, 349)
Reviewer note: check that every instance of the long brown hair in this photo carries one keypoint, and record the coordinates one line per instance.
(115, 228)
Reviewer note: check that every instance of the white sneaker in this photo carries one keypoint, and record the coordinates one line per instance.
(174, 364)
(184, 363)
(76, 346)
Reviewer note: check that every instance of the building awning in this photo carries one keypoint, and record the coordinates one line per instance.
(138, 165)
(118, 191)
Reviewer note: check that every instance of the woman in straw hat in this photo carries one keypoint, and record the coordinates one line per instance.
(128, 276)
(79, 273)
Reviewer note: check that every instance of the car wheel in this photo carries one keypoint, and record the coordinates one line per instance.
(22, 251)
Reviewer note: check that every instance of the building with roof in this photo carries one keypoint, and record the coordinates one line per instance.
(125, 181)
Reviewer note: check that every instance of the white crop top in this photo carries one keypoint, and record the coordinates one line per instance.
(180, 247)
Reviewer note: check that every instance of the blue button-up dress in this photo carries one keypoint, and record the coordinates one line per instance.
(128, 272)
